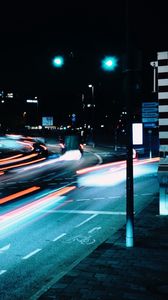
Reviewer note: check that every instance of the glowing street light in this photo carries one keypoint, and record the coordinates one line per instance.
(92, 87)
(58, 61)
(109, 63)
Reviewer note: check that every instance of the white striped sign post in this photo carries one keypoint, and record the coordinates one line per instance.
(162, 59)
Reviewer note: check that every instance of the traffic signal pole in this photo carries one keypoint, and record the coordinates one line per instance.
(129, 86)
(129, 169)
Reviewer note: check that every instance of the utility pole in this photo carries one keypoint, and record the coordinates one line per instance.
(129, 85)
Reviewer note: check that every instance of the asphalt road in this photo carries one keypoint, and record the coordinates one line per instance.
(46, 233)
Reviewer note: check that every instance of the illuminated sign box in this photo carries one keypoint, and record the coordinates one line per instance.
(47, 121)
(137, 131)
(31, 101)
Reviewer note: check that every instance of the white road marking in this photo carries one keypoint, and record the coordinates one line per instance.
(88, 219)
(147, 194)
(31, 254)
(84, 240)
(100, 198)
(94, 229)
(83, 199)
(86, 212)
(2, 271)
(114, 197)
(5, 248)
(99, 158)
(58, 237)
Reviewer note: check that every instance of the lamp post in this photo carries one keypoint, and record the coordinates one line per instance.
(129, 83)
(154, 64)
(93, 111)
(92, 87)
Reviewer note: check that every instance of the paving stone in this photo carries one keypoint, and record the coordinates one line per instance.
(114, 272)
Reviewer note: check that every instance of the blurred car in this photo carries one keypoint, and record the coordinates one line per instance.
(40, 148)
(71, 142)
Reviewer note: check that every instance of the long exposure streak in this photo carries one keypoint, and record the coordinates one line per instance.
(19, 194)
(123, 163)
(11, 218)
(23, 164)
(21, 158)
(10, 157)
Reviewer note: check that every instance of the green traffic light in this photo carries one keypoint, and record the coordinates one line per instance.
(58, 61)
(109, 63)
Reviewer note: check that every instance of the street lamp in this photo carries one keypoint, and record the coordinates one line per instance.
(92, 87)
(93, 110)
(109, 63)
(154, 64)
(58, 61)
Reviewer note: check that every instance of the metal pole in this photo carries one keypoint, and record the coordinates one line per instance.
(115, 140)
(93, 113)
(150, 144)
(154, 64)
(129, 103)
(154, 80)
(93, 108)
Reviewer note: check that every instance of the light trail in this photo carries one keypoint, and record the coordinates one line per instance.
(23, 164)
(117, 163)
(20, 158)
(18, 194)
(94, 168)
(28, 210)
(113, 173)
(9, 158)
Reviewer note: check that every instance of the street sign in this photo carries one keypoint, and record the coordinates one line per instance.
(149, 125)
(47, 121)
(146, 120)
(149, 104)
(149, 109)
(73, 117)
(149, 115)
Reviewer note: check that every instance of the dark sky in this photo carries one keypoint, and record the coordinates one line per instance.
(33, 32)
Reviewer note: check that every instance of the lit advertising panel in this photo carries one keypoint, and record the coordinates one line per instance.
(137, 131)
(47, 121)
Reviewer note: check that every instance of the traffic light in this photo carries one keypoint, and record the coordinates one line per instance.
(109, 63)
(58, 61)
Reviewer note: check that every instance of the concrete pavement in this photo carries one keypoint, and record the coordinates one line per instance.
(114, 271)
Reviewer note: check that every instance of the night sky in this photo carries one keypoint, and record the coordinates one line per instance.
(32, 33)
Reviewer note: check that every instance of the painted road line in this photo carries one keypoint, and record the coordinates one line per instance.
(2, 271)
(100, 198)
(85, 212)
(88, 219)
(59, 237)
(94, 229)
(5, 248)
(114, 197)
(87, 199)
(31, 254)
(147, 194)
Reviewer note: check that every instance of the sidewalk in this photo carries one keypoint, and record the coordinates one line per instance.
(113, 271)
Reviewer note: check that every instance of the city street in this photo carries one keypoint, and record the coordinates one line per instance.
(48, 230)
